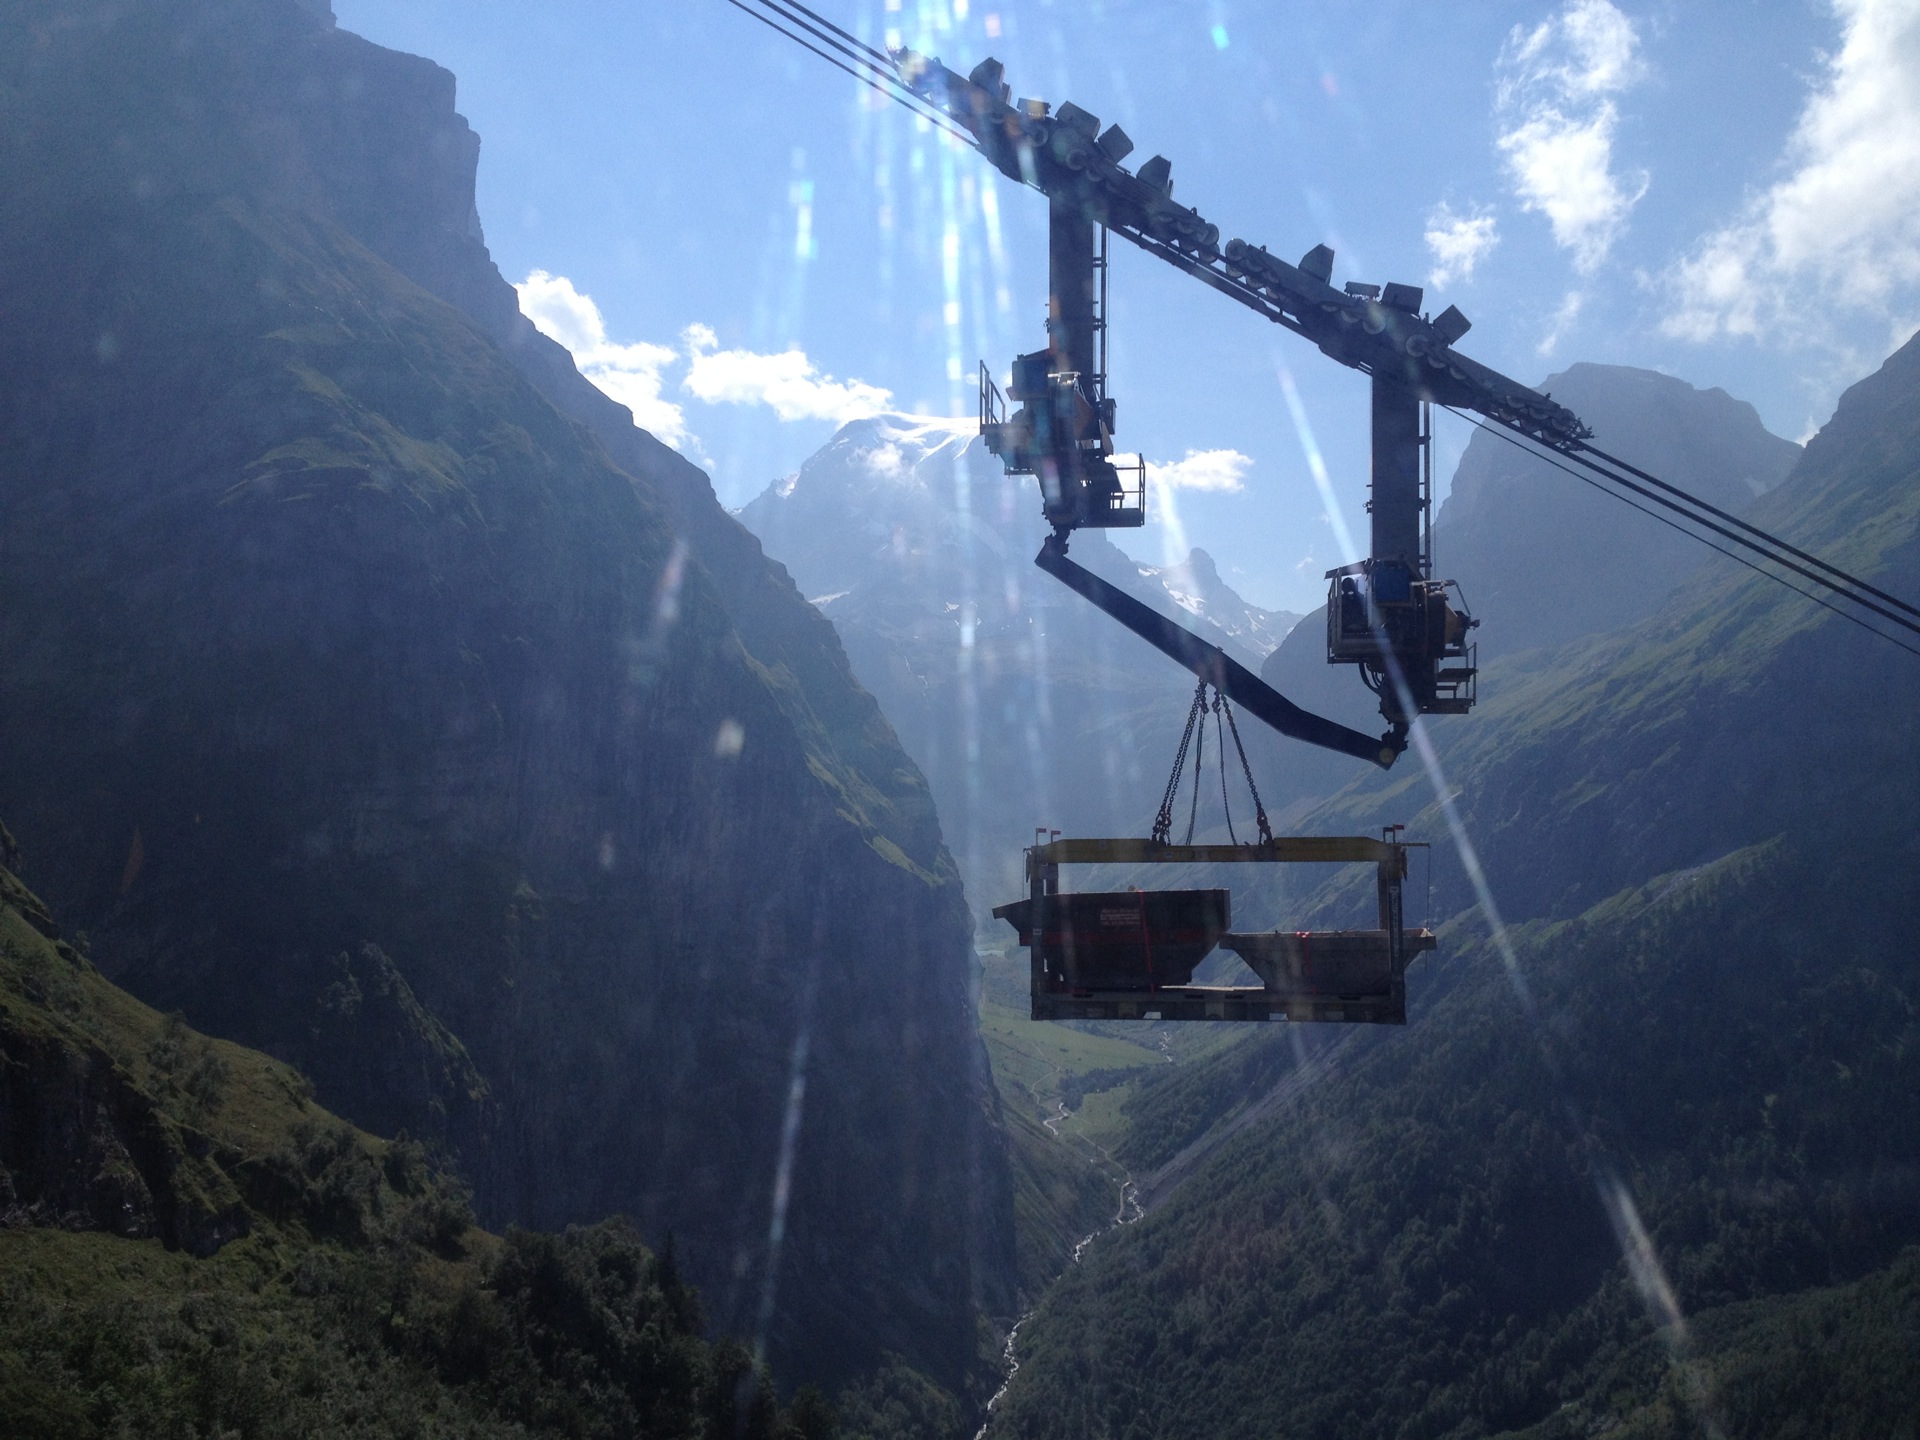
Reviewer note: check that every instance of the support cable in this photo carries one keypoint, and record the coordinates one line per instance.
(848, 36)
(1845, 587)
(1163, 822)
(1219, 734)
(1259, 810)
(831, 35)
(898, 93)
(1738, 523)
(1199, 764)
(1196, 726)
(1848, 586)
(1552, 458)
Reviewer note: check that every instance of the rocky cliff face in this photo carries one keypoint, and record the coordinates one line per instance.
(377, 694)
(1545, 559)
(1022, 704)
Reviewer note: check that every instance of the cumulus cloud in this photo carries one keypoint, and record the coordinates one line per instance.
(1562, 322)
(1458, 243)
(637, 374)
(787, 381)
(1223, 471)
(632, 374)
(1555, 104)
(1841, 228)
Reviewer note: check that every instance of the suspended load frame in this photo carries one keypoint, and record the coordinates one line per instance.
(1131, 954)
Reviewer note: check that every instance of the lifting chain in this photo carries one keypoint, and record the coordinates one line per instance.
(1163, 822)
(1197, 726)
(1259, 810)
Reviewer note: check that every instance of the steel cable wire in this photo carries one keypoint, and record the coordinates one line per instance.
(897, 93)
(1552, 457)
(1751, 529)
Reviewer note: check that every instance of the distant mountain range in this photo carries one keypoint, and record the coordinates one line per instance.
(1022, 705)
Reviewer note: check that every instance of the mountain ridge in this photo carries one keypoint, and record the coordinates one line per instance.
(329, 636)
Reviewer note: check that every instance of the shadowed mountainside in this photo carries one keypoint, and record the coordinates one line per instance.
(1545, 559)
(188, 1244)
(1642, 1173)
(366, 707)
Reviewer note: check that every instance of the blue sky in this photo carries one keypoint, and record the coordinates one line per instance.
(748, 247)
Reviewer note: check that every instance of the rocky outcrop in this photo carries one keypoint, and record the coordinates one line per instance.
(340, 618)
(84, 1145)
(1545, 559)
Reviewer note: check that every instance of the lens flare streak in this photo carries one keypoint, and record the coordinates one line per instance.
(1630, 1235)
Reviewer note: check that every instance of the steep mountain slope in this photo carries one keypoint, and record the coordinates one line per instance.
(1544, 560)
(1634, 1174)
(365, 707)
(1021, 703)
(189, 1245)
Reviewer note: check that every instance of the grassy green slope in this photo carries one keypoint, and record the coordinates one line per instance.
(191, 1246)
(1065, 1187)
(1696, 1087)
(1840, 1361)
(1424, 1247)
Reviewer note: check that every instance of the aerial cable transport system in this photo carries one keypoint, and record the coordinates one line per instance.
(1131, 954)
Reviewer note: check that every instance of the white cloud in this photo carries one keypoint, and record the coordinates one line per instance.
(787, 381)
(561, 312)
(630, 374)
(885, 461)
(1554, 102)
(1841, 229)
(1563, 319)
(1222, 471)
(1458, 243)
(637, 375)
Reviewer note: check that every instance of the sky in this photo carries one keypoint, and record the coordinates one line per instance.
(749, 248)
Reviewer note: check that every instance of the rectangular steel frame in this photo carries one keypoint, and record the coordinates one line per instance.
(1226, 1002)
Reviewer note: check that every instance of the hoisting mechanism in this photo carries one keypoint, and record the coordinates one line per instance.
(1131, 954)
(1404, 628)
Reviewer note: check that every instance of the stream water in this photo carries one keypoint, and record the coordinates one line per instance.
(1309, 1069)
(1126, 1213)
